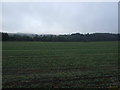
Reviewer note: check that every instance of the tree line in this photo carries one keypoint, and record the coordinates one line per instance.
(75, 37)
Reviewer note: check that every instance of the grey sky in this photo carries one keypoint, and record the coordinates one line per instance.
(60, 18)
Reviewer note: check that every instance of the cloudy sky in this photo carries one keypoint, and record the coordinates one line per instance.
(59, 17)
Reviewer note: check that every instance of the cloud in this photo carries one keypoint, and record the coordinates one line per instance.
(60, 18)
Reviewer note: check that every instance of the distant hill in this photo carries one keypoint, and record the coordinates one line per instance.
(75, 37)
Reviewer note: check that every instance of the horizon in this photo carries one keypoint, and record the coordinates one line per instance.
(59, 34)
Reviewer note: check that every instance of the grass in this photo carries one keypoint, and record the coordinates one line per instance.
(60, 64)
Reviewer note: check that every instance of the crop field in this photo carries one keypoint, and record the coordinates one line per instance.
(60, 64)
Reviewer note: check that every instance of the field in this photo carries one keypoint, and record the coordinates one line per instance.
(59, 64)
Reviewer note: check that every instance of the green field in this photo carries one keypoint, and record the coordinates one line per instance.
(59, 64)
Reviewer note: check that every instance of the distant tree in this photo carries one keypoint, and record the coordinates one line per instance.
(75, 37)
(5, 37)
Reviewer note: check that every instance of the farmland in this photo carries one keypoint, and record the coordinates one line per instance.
(59, 64)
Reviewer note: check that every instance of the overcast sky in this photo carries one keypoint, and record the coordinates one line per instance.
(60, 17)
